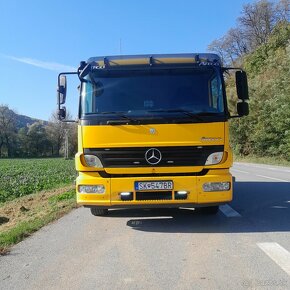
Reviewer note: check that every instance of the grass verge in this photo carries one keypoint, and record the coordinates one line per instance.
(21, 217)
(262, 160)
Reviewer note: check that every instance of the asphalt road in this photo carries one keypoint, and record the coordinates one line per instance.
(246, 246)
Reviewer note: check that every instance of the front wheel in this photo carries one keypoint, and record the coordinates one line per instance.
(99, 211)
(211, 210)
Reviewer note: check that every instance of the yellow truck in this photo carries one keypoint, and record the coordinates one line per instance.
(153, 131)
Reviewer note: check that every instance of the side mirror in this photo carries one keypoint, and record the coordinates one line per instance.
(243, 109)
(61, 89)
(61, 113)
(242, 85)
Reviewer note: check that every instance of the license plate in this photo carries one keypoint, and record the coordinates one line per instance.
(153, 185)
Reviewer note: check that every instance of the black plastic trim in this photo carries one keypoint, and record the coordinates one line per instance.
(108, 175)
(170, 156)
(126, 205)
(153, 195)
(103, 120)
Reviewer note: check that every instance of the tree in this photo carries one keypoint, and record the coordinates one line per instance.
(23, 142)
(283, 10)
(56, 132)
(37, 139)
(255, 25)
(7, 130)
(218, 46)
(258, 20)
(236, 39)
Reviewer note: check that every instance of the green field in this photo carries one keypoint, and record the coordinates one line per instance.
(19, 177)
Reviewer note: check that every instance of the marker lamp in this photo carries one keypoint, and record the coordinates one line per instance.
(92, 188)
(216, 186)
(214, 158)
(93, 161)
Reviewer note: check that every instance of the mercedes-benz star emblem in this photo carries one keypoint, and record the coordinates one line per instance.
(153, 156)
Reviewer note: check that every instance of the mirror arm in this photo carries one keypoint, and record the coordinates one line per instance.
(65, 73)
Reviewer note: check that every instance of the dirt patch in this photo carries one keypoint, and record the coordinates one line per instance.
(28, 207)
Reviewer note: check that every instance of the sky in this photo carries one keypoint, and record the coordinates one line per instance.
(39, 39)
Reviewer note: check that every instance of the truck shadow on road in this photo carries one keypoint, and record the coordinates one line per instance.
(264, 207)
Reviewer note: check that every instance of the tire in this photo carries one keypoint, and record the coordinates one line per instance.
(210, 210)
(99, 211)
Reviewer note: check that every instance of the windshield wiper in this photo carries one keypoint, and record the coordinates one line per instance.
(121, 115)
(208, 113)
(185, 112)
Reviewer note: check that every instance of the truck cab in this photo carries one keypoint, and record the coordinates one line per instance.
(153, 131)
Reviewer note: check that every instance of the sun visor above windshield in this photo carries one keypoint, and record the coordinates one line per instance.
(155, 60)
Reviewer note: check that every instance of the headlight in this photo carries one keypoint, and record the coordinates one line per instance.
(216, 186)
(214, 158)
(92, 188)
(93, 161)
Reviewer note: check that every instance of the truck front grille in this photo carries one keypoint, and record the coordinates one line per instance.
(171, 156)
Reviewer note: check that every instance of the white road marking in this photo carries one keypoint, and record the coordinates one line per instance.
(264, 167)
(273, 178)
(241, 171)
(228, 211)
(278, 254)
(277, 169)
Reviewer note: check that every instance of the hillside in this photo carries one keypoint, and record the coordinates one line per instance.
(19, 121)
(23, 121)
(266, 131)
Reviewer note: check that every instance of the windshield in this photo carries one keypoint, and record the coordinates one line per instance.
(149, 93)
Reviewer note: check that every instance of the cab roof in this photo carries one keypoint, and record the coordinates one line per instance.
(156, 59)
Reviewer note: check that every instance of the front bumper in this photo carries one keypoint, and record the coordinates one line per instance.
(192, 184)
